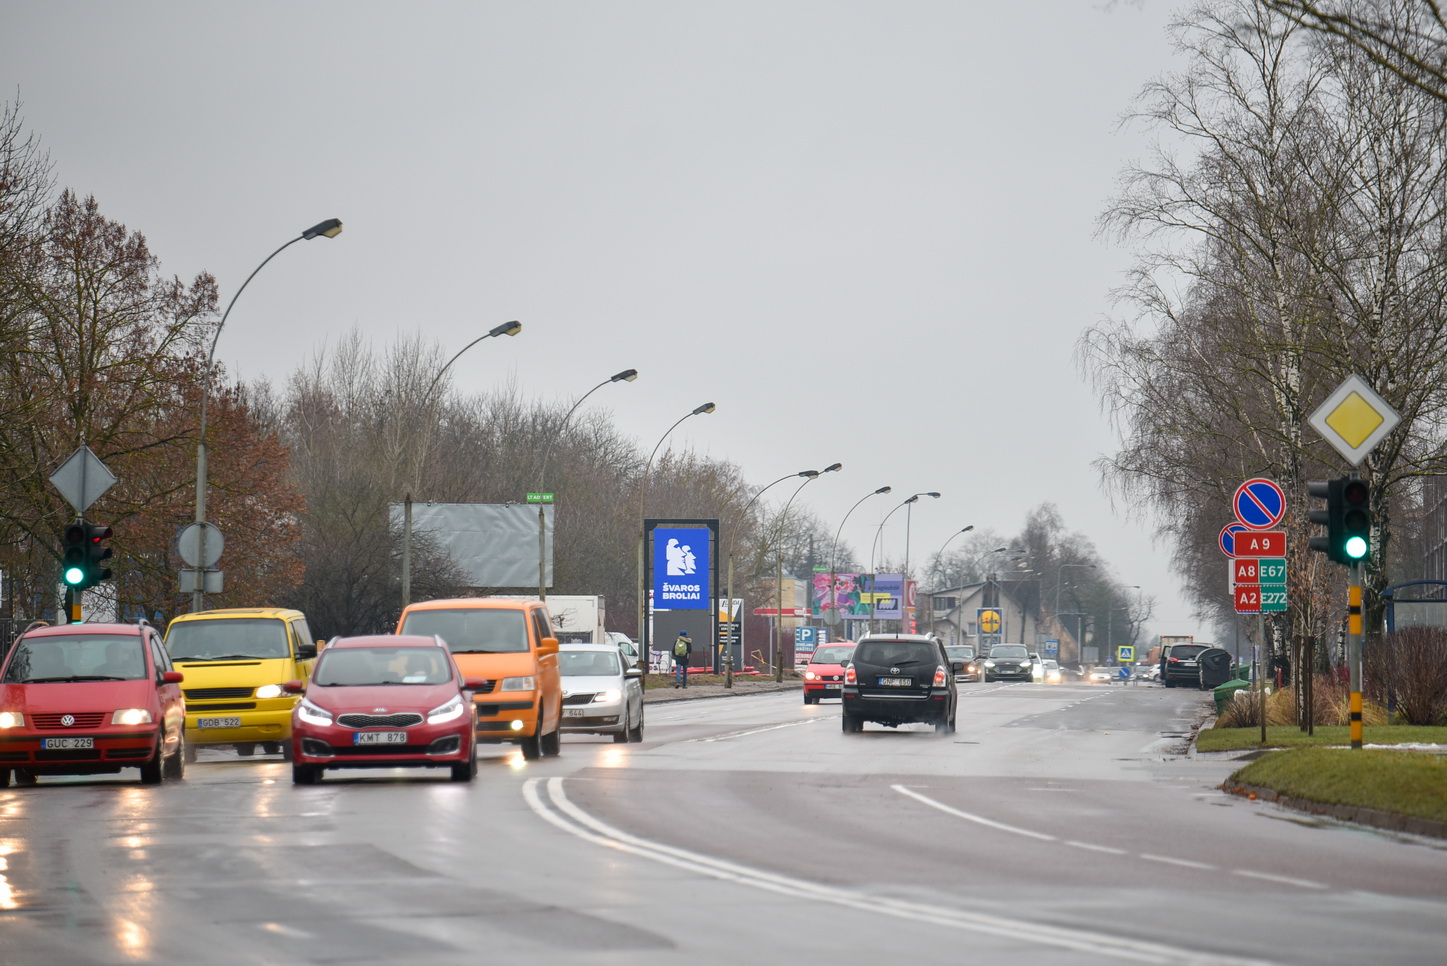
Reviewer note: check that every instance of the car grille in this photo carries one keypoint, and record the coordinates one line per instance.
(83, 719)
(577, 699)
(69, 754)
(222, 706)
(203, 694)
(487, 688)
(379, 721)
(377, 751)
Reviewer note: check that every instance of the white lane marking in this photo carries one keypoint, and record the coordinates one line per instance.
(1028, 833)
(972, 818)
(1096, 848)
(757, 731)
(579, 823)
(1184, 863)
(1283, 879)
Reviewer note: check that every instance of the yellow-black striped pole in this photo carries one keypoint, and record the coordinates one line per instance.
(1354, 651)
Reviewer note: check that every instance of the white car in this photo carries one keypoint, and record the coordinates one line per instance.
(626, 647)
(600, 695)
(1100, 675)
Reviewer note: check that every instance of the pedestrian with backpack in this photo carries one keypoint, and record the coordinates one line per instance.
(681, 647)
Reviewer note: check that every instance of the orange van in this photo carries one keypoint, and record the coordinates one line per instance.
(509, 644)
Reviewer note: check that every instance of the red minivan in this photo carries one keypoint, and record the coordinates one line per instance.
(86, 699)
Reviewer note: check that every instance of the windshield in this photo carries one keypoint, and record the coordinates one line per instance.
(229, 639)
(832, 655)
(896, 653)
(1011, 651)
(472, 630)
(588, 664)
(84, 657)
(356, 666)
(960, 653)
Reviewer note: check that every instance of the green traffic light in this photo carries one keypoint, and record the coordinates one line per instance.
(75, 576)
(1355, 548)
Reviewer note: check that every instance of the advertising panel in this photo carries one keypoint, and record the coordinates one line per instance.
(889, 597)
(680, 568)
(845, 596)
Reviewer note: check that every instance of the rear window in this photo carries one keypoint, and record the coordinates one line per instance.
(896, 653)
(227, 639)
(472, 630)
(1187, 651)
(84, 657)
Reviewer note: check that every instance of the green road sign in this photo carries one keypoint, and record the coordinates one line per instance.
(540, 498)
(1273, 597)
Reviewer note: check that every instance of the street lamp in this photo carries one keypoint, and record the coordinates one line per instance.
(330, 228)
(834, 547)
(729, 592)
(908, 514)
(939, 554)
(880, 529)
(507, 328)
(1059, 573)
(706, 408)
(627, 375)
(779, 574)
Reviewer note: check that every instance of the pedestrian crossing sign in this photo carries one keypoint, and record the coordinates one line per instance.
(1125, 653)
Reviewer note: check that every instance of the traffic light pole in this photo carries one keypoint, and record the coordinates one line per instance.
(1354, 651)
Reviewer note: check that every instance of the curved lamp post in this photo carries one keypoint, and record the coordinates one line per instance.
(939, 554)
(507, 328)
(330, 228)
(627, 375)
(880, 529)
(706, 408)
(834, 547)
(779, 577)
(729, 592)
(908, 514)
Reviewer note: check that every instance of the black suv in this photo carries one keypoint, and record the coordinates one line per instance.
(1009, 662)
(1180, 664)
(896, 679)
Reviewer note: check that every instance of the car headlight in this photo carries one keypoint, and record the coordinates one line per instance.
(603, 697)
(312, 714)
(524, 683)
(131, 716)
(989, 664)
(1026, 666)
(269, 691)
(12, 719)
(809, 675)
(449, 711)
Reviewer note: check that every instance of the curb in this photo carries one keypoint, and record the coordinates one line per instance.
(668, 696)
(1360, 815)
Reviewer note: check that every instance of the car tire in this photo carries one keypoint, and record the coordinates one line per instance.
(190, 753)
(636, 735)
(305, 774)
(246, 749)
(466, 771)
(532, 747)
(4, 778)
(24, 776)
(851, 723)
(153, 772)
(621, 737)
(808, 698)
(175, 766)
(286, 754)
(551, 744)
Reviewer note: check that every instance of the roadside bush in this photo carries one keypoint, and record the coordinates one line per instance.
(1410, 666)
(1330, 707)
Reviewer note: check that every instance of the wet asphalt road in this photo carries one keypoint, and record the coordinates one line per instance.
(1058, 825)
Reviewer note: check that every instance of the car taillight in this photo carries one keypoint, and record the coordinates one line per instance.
(849, 676)
(940, 677)
(1172, 660)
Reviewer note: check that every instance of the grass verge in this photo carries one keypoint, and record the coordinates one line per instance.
(1402, 782)
(1291, 736)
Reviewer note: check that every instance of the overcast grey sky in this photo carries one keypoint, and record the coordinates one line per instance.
(865, 230)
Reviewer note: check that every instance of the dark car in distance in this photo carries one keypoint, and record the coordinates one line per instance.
(1181, 666)
(900, 679)
(1009, 662)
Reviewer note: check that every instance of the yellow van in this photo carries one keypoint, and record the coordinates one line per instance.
(510, 644)
(235, 662)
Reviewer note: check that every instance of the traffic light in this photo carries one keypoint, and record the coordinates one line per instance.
(84, 555)
(73, 556)
(1356, 520)
(1348, 519)
(97, 553)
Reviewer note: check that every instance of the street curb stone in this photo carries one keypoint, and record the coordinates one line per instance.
(1391, 821)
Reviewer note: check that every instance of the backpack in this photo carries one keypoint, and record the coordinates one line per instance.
(680, 648)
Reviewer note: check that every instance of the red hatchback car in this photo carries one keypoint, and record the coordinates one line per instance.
(85, 699)
(384, 701)
(824, 674)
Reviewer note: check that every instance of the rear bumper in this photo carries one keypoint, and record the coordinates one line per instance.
(917, 706)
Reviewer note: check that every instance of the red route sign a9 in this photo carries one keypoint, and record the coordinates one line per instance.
(1260, 543)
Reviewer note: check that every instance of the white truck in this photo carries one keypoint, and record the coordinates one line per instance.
(577, 618)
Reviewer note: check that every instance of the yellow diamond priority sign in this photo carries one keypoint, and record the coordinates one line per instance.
(1353, 419)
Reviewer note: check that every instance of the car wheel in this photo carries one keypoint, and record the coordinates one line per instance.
(551, 744)
(24, 776)
(621, 737)
(851, 723)
(286, 750)
(271, 747)
(942, 726)
(466, 771)
(175, 766)
(636, 734)
(246, 749)
(153, 771)
(532, 747)
(305, 774)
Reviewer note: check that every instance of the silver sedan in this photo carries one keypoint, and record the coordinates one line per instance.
(600, 695)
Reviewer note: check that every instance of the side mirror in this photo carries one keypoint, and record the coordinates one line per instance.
(957, 665)
(633, 672)
(172, 677)
(305, 652)
(548, 645)
(294, 687)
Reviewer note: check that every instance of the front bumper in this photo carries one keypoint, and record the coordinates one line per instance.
(333, 746)
(112, 749)
(497, 711)
(824, 689)
(259, 720)
(606, 717)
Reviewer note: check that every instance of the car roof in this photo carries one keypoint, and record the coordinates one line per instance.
(206, 615)
(927, 638)
(110, 627)
(609, 648)
(385, 640)
(461, 603)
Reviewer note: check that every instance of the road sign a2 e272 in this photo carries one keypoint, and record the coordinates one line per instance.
(1247, 598)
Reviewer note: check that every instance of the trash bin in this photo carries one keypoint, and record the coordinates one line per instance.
(1214, 666)
(1224, 694)
(1243, 672)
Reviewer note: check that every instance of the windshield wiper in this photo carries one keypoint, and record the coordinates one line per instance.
(220, 657)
